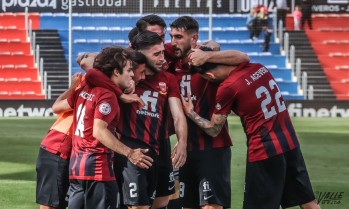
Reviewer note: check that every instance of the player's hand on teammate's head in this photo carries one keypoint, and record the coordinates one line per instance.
(187, 104)
(197, 57)
(131, 98)
(139, 158)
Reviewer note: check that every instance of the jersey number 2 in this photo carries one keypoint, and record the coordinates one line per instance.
(268, 113)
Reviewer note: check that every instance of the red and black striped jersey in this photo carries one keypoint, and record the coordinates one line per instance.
(203, 94)
(148, 124)
(251, 92)
(90, 159)
(58, 140)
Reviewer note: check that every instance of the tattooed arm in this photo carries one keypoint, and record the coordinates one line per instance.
(212, 127)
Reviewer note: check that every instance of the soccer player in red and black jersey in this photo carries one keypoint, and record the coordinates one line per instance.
(52, 165)
(160, 92)
(166, 179)
(96, 114)
(55, 149)
(179, 62)
(203, 178)
(276, 174)
(147, 127)
(53, 160)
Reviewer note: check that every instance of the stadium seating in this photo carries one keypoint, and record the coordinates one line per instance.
(16, 20)
(330, 41)
(19, 77)
(92, 32)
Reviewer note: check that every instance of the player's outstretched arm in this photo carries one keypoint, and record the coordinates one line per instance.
(136, 156)
(179, 153)
(227, 57)
(212, 127)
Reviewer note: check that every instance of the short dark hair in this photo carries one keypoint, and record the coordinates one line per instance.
(187, 23)
(145, 40)
(112, 57)
(133, 32)
(138, 58)
(153, 20)
(141, 25)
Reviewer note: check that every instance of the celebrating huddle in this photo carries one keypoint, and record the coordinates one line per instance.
(114, 124)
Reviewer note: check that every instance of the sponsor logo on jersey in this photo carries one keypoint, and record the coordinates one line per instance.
(150, 99)
(104, 108)
(206, 186)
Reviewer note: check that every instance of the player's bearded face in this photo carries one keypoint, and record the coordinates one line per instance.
(181, 42)
(155, 57)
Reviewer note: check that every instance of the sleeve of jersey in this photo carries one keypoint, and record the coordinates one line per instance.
(107, 107)
(95, 78)
(173, 86)
(224, 100)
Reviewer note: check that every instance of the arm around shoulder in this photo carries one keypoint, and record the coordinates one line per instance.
(227, 57)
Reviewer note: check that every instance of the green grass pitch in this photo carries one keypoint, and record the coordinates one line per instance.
(324, 143)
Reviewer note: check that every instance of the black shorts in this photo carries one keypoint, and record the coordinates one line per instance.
(280, 180)
(52, 180)
(89, 194)
(166, 179)
(137, 185)
(205, 178)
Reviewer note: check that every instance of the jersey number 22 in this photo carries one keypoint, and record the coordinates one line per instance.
(268, 113)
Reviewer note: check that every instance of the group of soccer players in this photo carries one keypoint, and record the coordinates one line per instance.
(133, 99)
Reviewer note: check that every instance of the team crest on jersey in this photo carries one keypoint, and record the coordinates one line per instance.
(163, 88)
(104, 108)
(218, 106)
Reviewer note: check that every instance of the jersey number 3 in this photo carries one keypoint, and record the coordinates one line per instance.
(268, 113)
